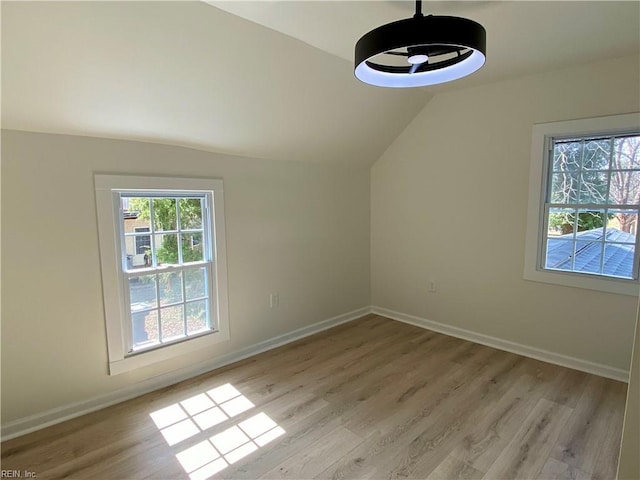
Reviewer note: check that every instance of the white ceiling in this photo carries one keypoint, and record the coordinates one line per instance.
(188, 73)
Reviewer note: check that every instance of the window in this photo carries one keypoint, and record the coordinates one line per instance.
(584, 203)
(164, 271)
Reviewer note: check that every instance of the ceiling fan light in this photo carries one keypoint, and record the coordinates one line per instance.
(421, 33)
(372, 76)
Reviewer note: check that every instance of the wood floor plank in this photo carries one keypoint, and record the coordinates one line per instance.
(527, 452)
(498, 424)
(464, 409)
(297, 439)
(567, 387)
(452, 468)
(372, 398)
(606, 462)
(421, 435)
(311, 461)
(556, 470)
(583, 440)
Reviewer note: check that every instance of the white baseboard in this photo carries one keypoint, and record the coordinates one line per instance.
(524, 350)
(38, 421)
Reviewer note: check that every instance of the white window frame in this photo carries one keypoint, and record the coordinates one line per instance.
(542, 136)
(107, 189)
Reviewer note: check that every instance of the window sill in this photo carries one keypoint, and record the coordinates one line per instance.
(168, 352)
(590, 282)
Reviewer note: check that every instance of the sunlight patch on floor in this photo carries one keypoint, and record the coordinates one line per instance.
(196, 416)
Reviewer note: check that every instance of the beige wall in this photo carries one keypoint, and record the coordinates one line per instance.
(298, 229)
(449, 201)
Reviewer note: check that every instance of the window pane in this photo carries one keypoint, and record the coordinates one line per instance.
(142, 292)
(192, 247)
(136, 210)
(625, 188)
(172, 322)
(591, 221)
(566, 156)
(190, 213)
(588, 254)
(164, 214)
(136, 220)
(561, 221)
(145, 328)
(619, 260)
(626, 152)
(564, 187)
(195, 282)
(559, 254)
(143, 242)
(197, 317)
(167, 249)
(170, 287)
(137, 260)
(597, 154)
(138, 255)
(133, 260)
(622, 225)
(593, 187)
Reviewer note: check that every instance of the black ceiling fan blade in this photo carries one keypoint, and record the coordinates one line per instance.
(422, 67)
(402, 54)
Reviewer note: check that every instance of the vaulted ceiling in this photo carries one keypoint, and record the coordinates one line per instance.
(263, 79)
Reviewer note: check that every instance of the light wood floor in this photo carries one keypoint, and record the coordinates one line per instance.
(372, 398)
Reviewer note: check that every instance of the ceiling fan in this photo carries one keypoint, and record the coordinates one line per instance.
(435, 49)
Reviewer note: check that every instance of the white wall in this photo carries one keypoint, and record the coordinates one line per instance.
(449, 201)
(299, 229)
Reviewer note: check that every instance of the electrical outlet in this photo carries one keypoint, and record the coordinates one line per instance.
(433, 287)
(274, 300)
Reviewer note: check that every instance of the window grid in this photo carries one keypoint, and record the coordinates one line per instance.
(578, 207)
(156, 270)
(164, 306)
